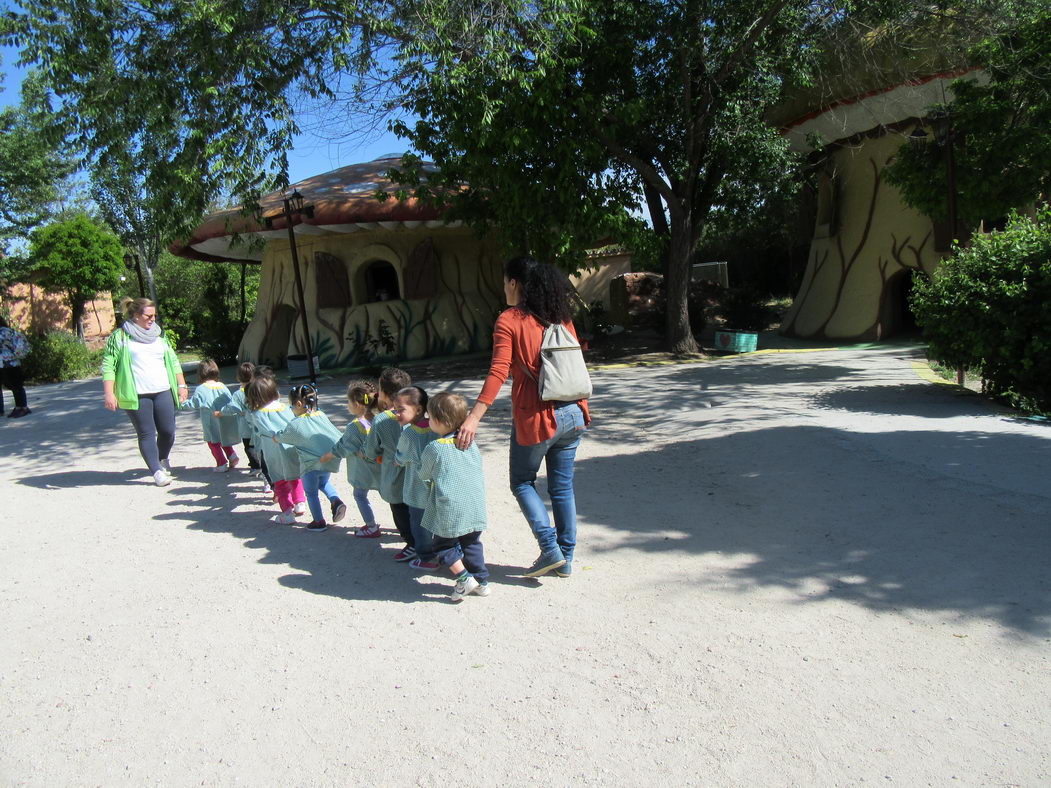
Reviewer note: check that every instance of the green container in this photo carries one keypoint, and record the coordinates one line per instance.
(736, 341)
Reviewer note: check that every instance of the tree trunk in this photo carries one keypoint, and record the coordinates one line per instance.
(244, 306)
(150, 263)
(76, 306)
(678, 335)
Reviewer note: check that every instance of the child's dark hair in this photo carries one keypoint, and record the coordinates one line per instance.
(304, 396)
(263, 371)
(260, 392)
(448, 408)
(245, 372)
(392, 380)
(363, 393)
(416, 397)
(207, 370)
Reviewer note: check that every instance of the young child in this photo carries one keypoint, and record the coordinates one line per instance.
(455, 510)
(210, 396)
(313, 434)
(410, 410)
(362, 474)
(270, 416)
(235, 409)
(382, 441)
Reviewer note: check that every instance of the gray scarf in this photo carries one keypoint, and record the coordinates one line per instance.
(140, 334)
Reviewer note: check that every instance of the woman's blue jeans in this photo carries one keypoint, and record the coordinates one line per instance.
(558, 453)
(313, 481)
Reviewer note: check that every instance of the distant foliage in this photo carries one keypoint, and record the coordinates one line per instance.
(988, 309)
(60, 355)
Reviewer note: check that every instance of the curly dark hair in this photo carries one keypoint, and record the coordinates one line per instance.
(546, 291)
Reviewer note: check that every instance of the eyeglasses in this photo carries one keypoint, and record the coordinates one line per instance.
(148, 317)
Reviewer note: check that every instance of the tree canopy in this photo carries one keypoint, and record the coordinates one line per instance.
(561, 116)
(33, 161)
(998, 130)
(77, 258)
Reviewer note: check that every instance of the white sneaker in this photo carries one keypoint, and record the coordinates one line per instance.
(166, 466)
(285, 518)
(220, 469)
(267, 489)
(161, 478)
(299, 509)
(233, 462)
(463, 588)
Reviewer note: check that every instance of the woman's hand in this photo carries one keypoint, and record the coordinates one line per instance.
(109, 399)
(465, 436)
(184, 394)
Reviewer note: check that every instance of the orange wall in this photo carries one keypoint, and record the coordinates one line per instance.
(35, 311)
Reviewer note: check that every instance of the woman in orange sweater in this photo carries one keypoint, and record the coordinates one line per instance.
(538, 294)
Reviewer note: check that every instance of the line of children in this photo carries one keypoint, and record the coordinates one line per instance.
(436, 492)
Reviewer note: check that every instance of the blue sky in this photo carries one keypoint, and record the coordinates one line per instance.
(312, 154)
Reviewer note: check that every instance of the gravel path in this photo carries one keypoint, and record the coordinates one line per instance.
(795, 569)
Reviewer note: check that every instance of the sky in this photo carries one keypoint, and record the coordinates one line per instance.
(312, 154)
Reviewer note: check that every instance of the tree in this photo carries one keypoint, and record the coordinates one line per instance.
(33, 164)
(998, 131)
(561, 115)
(77, 258)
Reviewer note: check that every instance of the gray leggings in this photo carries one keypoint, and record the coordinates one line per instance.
(154, 424)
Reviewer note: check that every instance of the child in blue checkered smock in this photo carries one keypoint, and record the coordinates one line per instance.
(363, 475)
(380, 445)
(210, 396)
(455, 510)
(410, 411)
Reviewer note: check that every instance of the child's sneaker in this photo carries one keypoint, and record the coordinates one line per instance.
(317, 526)
(286, 518)
(221, 468)
(481, 590)
(424, 566)
(339, 510)
(267, 489)
(300, 509)
(406, 554)
(368, 531)
(233, 461)
(463, 588)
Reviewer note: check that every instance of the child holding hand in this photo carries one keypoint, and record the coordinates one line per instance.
(312, 433)
(380, 445)
(362, 474)
(269, 416)
(411, 411)
(210, 396)
(455, 510)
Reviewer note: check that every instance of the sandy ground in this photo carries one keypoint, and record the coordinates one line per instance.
(801, 569)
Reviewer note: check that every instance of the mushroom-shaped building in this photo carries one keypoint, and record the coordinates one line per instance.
(381, 278)
(866, 241)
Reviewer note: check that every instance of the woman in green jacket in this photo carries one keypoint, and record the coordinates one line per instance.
(142, 376)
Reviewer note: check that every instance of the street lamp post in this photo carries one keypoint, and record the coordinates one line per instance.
(293, 206)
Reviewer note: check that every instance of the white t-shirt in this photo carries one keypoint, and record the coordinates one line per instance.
(147, 366)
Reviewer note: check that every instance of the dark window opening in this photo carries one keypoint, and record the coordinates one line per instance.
(381, 282)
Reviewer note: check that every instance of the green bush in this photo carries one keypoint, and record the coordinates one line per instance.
(58, 356)
(988, 308)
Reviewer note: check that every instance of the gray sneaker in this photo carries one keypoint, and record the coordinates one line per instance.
(544, 564)
(463, 588)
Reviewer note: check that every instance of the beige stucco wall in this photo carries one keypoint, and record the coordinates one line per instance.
(593, 283)
(456, 318)
(873, 237)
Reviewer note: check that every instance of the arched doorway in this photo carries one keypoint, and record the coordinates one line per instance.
(275, 347)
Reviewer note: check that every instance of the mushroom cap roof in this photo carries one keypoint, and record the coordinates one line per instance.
(344, 201)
